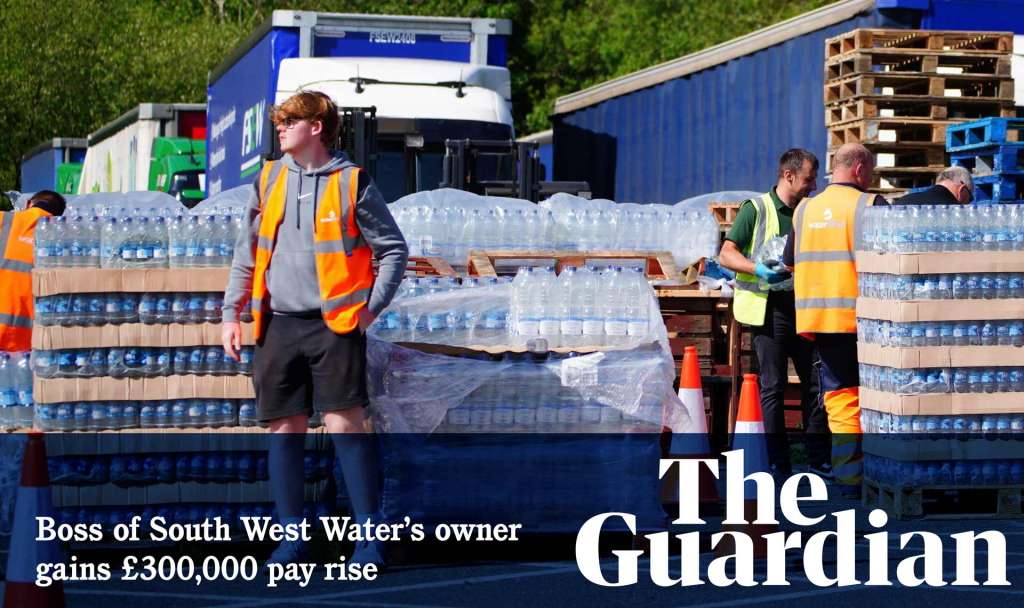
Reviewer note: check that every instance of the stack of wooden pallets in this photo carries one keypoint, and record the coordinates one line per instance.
(896, 91)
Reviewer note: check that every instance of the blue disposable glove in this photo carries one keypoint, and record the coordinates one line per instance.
(769, 275)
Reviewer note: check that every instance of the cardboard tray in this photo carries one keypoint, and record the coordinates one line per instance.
(53, 281)
(916, 447)
(941, 404)
(940, 262)
(59, 390)
(939, 310)
(133, 334)
(941, 356)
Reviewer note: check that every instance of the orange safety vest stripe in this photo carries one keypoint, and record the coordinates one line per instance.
(17, 231)
(344, 261)
(825, 271)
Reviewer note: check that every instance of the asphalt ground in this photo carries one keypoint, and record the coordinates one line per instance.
(539, 572)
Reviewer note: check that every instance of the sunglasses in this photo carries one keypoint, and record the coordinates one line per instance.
(290, 122)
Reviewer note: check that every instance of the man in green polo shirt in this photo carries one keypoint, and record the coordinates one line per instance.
(771, 314)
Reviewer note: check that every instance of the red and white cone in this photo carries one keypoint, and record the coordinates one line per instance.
(748, 436)
(690, 437)
(34, 500)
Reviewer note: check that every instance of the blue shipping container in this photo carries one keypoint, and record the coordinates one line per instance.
(719, 119)
(39, 165)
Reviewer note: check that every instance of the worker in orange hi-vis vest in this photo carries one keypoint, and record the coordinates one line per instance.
(821, 251)
(304, 259)
(17, 251)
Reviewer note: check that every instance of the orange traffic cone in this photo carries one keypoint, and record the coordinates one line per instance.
(748, 436)
(34, 500)
(690, 437)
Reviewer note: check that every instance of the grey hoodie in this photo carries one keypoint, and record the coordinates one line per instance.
(292, 283)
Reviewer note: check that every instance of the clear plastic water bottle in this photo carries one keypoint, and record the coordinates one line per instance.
(128, 242)
(158, 236)
(225, 240)
(179, 308)
(246, 360)
(193, 242)
(92, 240)
(110, 247)
(590, 313)
(213, 360)
(210, 244)
(8, 393)
(176, 242)
(147, 308)
(436, 317)
(145, 245)
(569, 307)
(44, 242)
(212, 303)
(78, 246)
(196, 307)
(60, 251)
(195, 360)
(524, 309)
(547, 304)
(493, 324)
(637, 303)
(616, 325)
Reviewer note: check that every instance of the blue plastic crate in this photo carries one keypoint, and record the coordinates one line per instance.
(992, 160)
(982, 133)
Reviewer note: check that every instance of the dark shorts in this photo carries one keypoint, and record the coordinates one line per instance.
(302, 366)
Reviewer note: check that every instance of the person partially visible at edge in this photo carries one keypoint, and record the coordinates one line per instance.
(316, 222)
(822, 252)
(17, 248)
(954, 186)
(771, 314)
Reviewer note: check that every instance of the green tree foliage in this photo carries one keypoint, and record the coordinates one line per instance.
(71, 66)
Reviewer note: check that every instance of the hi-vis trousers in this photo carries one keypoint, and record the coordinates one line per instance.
(840, 384)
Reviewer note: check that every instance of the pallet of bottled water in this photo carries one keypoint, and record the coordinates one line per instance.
(584, 351)
(585, 308)
(449, 224)
(128, 348)
(941, 347)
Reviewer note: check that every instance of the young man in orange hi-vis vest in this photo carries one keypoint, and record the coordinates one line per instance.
(822, 252)
(315, 224)
(17, 252)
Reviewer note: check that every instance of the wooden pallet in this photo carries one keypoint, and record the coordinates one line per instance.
(935, 108)
(990, 88)
(898, 156)
(659, 264)
(889, 130)
(938, 40)
(944, 502)
(901, 179)
(725, 213)
(913, 61)
(430, 266)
